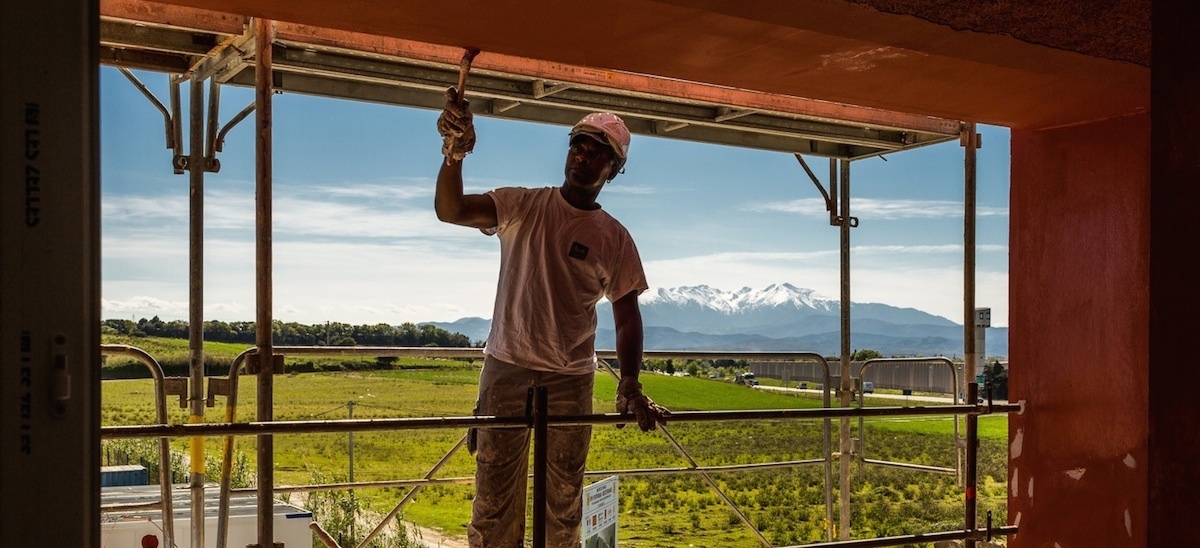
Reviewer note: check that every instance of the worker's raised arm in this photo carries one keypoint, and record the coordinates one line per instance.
(452, 206)
(457, 127)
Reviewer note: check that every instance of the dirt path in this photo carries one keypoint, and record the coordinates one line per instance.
(434, 539)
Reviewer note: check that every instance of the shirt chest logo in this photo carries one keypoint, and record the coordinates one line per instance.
(578, 251)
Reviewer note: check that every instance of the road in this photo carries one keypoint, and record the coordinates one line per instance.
(943, 400)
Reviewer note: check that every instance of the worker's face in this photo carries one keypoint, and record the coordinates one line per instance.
(589, 163)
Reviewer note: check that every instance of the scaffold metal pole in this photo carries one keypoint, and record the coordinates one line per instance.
(430, 423)
(195, 168)
(842, 176)
(263, 90)
(968, 139)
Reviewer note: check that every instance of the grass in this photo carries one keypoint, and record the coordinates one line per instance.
(161, 347)
(675, 510)
(173, 356)
(694, 394)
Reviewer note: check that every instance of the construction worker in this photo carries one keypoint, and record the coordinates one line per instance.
(560, 252)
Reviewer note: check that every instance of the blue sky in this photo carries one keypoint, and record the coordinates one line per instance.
(356, 239)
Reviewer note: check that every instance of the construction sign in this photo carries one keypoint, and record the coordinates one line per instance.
(600, 514)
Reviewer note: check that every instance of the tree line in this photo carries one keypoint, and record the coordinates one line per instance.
(296, 334)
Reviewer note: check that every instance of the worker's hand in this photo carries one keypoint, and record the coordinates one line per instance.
(631, 400)
(457, 127)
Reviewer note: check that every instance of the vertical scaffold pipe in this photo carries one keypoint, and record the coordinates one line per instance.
(828, 424)
(968, 140)
(540, 436)
(195, 168)
(827, 451)
(264, 31)
(844, 390)
(213, 127)
(175, 135)
(231, 403)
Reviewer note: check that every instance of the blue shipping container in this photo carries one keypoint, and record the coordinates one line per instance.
(125, 474)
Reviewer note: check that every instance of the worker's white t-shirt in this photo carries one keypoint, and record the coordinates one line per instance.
(556, 262)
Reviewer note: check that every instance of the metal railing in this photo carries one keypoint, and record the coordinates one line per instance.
(231, 428)
(164, 448)
(862, 437)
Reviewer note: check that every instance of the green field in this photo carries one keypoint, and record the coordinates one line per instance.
(673, 510)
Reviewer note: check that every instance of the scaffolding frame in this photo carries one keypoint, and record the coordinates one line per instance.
(198, 45)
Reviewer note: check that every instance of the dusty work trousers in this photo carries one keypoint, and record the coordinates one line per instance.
(502, 457)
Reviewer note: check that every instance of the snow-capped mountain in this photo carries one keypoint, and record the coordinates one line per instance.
(779, 310)
(740, 301)
(778, 317)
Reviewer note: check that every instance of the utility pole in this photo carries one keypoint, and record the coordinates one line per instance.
(350, 409)
(353, 503)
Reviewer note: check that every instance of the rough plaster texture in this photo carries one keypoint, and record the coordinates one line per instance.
(1079, 316)
(1111, 29)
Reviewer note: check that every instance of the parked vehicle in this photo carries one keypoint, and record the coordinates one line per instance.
(978, 399)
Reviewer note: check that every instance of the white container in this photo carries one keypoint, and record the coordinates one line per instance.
(143, 528)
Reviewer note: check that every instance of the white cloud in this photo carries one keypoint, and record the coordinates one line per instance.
(955, 249)
(135, 209)
(357, 263)
(875, 209)
(617, 188)
(136, 304)
(301, 214)
(146, 248)
(364, 281)
(422, 188)
(314, 282)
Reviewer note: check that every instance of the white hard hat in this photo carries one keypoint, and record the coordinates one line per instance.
(606, 127)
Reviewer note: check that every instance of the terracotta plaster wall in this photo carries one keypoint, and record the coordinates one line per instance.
(1079, 337)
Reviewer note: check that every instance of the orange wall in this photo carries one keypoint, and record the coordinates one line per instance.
(1079, 334)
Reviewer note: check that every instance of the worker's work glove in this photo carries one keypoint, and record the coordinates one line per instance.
(630, 399)
(457, 127)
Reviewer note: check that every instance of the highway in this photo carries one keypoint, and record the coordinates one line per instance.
(946, 400)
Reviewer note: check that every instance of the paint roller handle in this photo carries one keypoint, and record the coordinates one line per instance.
(458, 142)
(464, 67)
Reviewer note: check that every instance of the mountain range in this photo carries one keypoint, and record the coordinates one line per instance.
(780, 317)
